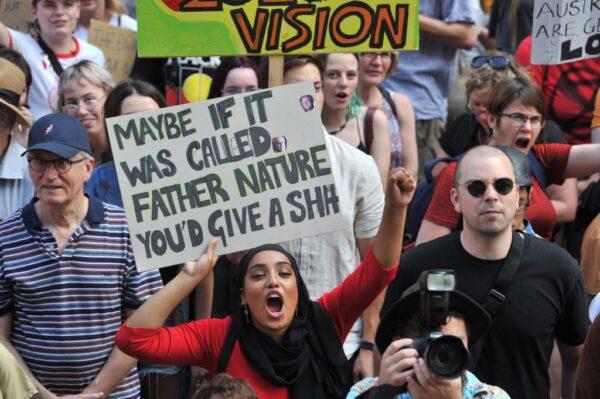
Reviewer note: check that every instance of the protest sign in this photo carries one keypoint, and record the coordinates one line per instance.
(565, 31)
(248, 169)
(118, 46)
(16, 14)
(269, 27)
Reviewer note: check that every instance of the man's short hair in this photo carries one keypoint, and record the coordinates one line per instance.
(289, 62)
(223, 386)
(481, 151)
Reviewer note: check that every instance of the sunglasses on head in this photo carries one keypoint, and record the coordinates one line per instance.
(496, 62)
(477, 188)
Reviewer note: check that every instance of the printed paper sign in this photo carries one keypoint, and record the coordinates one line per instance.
(565, 31)
(16, 14)
(268, 27)
(118, 45)
(249, 169)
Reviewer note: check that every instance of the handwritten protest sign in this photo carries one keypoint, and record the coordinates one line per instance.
(248, 169)
(235, 27)
(118, 45)
(565, 31)
(16, 14)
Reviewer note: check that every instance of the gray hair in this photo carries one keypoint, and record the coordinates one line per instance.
(87, 70)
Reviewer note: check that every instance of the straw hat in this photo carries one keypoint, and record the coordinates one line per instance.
(12, 85)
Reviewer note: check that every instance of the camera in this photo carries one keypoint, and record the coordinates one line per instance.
(445, 355)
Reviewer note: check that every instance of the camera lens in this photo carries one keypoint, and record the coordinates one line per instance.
(447, 357)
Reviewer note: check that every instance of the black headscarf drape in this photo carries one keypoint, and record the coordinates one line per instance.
(309, 358)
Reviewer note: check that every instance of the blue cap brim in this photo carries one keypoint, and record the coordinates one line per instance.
(62, 150)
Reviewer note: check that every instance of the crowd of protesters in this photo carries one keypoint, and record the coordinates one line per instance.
(495, 188)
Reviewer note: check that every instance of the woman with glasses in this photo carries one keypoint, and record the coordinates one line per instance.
(471, 128)
(51, 49)
(234, 75)
(82, 90)
(373, 68)
(517, 114)
(345, 116)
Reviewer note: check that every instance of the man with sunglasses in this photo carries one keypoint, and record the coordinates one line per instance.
(543, 300)
(67, 273)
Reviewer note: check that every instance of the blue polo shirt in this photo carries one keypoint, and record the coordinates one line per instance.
(68, 307)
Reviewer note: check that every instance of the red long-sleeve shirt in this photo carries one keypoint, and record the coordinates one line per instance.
(199, 343)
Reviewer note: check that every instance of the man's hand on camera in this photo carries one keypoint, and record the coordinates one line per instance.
(424, 385)
(397, 363)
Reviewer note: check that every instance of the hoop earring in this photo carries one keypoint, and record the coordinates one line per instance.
(246, 313)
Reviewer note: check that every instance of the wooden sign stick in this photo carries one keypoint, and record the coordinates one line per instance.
(275, 70)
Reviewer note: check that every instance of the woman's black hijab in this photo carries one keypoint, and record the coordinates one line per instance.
(309, 358)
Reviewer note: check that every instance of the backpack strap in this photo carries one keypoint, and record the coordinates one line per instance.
(368, 128)
(226, 350)
(497, 294)
(58, 69)
(388, 98)
(537, 169)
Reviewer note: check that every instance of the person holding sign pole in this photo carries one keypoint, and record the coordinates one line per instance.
(326, 259)
(344, 117)
(281, 342)
(51, 49)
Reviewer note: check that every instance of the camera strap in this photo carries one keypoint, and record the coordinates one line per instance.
(497, 295)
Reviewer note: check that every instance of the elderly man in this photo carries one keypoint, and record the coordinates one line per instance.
(533, 288)
(16, 188)
(67, 273)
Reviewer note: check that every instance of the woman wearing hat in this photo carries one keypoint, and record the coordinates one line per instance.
(50, 49)
(403, 373)
(281, 342)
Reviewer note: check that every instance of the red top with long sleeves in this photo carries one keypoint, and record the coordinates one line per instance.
(540, 212)
(199, 342)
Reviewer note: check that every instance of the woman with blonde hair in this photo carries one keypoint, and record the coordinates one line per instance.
(82, 90)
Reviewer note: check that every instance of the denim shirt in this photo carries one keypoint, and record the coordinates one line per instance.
(472, 388)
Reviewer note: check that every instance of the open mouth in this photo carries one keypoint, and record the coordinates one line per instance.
(274, 305)
(342, 96)
(522, 142)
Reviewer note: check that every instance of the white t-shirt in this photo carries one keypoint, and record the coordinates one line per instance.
(43, 93)
(121, 20)
(326, 259)
(16, 187)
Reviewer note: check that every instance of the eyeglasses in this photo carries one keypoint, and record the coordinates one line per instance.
(372, 56)
(477, 187)
(517, 119)
(60, 165)
(72, 106)
(230, 91)
(497, 62)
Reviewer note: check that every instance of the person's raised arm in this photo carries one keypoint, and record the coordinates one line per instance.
(456, 34)
(388, 241)
(405, 114)
(584, 160)
(154, 312)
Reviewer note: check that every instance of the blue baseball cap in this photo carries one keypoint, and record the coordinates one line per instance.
(59, 134)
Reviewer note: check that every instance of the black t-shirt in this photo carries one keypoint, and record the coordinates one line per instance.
(501, 27)
(545, 299)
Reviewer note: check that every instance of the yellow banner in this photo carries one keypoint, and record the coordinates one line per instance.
(268, 27)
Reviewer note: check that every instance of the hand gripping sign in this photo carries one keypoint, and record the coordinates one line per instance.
(248, 169)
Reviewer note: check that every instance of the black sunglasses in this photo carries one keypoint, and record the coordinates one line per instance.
(497, 62)
(477, 188)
